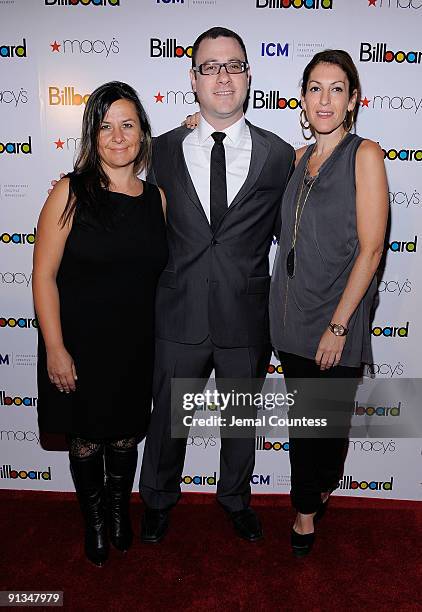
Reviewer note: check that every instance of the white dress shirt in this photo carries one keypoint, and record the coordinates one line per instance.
(197, 151)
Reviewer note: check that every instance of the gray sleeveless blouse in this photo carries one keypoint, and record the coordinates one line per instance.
(326, 248)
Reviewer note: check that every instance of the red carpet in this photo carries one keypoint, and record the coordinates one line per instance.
(367, 556)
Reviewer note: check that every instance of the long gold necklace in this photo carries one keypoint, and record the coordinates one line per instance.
(291, 256)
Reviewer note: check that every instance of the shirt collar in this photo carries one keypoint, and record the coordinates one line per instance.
(233, 133)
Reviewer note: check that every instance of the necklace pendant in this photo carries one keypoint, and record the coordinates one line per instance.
(291, 262)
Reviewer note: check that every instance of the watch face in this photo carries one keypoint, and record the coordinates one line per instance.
(338, 330)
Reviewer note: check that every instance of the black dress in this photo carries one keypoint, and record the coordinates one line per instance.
(107, 281)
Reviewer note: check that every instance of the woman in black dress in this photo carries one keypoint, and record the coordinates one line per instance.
(101, 246)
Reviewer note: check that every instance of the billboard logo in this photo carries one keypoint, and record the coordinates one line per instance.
(380, 54)
(168, 48)
(6, 471)
(16, 148)
(82, 2)
(199, 480)
(389, 331)
(273, 101)
(297, 4)
(347, 482)
(402, 246)
(66, 97)
(13, 50)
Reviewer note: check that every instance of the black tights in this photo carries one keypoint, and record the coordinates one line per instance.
(82, 448)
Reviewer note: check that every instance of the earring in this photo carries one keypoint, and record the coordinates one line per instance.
(348, 121)
(303, 120)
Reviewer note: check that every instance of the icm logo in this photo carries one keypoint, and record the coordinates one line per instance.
(70, 144)
(373, 446)
(170, 1)
(380, 54)
(262, 444)
(199, 481)
(19, 51)
(82, 2)
(261, 479)
(9, 473)
(385, 369)
(168, 48)
(297, 4)
(97, 47)
(18, 436)
(13, 96)
(395, 286)
(66, 96)
(403, 198)
(201, 441)
(175, 97)
(272, 49)
(349, 483)
(406, 103)
(383, 411)
(272, 100)
(5, 359)
(272, 369)
(17, 400)
(16, 148)
(399, 4)
(390, 331)
(403, 154)
(17, 238)
(15, 278)
(403, 246)
(21, 322)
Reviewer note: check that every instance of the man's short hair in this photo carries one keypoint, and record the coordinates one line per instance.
(215, 33)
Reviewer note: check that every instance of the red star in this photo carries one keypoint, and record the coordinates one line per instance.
(365, 102)
(55, 46)
(59, 143)
(372, 2)
(159, 98)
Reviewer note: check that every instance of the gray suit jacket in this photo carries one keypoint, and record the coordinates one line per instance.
(217, 284)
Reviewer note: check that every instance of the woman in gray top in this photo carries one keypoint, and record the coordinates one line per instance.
(334, 217)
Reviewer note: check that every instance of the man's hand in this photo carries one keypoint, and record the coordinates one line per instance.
(54, 183)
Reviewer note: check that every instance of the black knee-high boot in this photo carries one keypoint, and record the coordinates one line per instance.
(88, 476)
(120, 472)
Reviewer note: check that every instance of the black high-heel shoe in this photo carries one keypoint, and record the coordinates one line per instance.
(301, 543)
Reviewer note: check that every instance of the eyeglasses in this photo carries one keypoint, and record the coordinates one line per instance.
(213, 68)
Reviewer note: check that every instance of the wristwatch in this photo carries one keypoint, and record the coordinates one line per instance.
(338, 329)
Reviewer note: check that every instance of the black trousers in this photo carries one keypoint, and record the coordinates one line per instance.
(317, 463)
(164, 456)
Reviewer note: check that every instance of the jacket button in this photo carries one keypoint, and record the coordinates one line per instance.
(214, 242)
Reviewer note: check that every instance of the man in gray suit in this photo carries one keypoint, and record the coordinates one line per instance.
(224, 182)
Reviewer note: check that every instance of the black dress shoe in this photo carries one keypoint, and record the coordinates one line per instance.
(302, 543)
(247, 525)
(154, 525)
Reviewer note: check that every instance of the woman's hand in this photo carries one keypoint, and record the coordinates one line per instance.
(192, 121)
(61, 369)
(329, 350)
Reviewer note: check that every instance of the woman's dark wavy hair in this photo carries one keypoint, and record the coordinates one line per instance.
(88, 179)
(344, 61)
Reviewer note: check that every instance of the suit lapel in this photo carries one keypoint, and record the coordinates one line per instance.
(182, 171)
(259, 154)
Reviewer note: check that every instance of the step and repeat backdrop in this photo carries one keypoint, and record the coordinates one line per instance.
(53, 53)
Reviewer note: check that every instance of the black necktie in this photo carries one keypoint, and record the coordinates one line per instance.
(218, 183)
